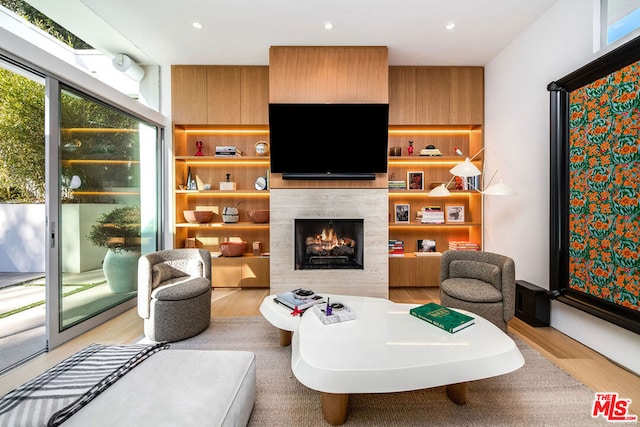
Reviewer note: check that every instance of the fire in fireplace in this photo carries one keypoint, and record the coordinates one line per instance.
(329, 244)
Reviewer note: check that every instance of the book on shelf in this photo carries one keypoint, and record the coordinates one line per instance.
(432, 217)
(339, 313)
(463, 245)
(442, 317)
(292, 299)
(396, 248)
(421, 254)
(397, 185)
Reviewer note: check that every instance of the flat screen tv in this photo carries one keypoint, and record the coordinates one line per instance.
(328, 141)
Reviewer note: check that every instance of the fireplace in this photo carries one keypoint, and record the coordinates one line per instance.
(329, 244)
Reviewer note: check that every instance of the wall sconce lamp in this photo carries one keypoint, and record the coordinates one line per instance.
(125, 64)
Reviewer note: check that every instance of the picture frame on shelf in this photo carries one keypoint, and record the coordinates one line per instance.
(402, 212)
(425, 245)
(454, 213)
(415, 180)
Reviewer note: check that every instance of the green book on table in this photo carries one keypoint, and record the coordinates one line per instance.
(443, 317)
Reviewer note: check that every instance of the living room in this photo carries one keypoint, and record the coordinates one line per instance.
(517, 122)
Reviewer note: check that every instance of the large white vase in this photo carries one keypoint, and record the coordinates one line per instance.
(121, 270)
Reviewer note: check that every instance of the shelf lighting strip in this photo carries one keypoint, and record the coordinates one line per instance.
(101, 130)
(102, 162)
(228, 131)
(431, 131)
(228, 162)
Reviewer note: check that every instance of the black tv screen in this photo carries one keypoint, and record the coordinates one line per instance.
(328, 141)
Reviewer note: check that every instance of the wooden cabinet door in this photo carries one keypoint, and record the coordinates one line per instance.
(433, 86)
(402, 95)
(467, 95)
(223, 95)
(189, 94)
(254, 95)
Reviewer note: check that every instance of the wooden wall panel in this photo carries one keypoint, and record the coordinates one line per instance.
(467, 95)
(432, 95)
(402, 95)
(189, 94)
(254, 95)
(223, 95)
(348, 74)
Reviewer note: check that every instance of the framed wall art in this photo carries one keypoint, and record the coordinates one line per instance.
(594, 187)
(415, 180)
(402, 212)
(454, 213)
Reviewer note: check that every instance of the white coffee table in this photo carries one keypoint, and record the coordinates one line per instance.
(385, 350)
(281, 317)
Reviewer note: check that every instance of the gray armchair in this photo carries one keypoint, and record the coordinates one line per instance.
(480, 282)
(174, 293)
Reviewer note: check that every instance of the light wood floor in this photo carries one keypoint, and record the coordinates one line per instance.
(584, 364)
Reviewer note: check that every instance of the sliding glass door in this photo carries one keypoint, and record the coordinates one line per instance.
(104, 165)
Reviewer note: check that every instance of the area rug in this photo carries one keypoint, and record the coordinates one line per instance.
(538, 394)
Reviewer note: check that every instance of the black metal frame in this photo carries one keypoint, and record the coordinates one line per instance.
(559, 186)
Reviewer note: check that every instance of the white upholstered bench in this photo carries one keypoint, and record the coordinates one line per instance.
(178, 388)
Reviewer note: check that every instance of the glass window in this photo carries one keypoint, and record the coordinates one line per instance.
(618, 19)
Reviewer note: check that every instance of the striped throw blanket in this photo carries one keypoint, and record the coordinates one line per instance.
(57, 394)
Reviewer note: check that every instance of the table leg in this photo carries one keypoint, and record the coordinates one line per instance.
(334, 407)
(285, 337)
(457, 393)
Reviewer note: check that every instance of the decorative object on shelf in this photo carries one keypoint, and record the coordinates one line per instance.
(262, 148)
(197, 217)
(410, 148)
(430, 151)
(119, 231)
(455, 213)
(415, 180)
(199, 147)
(458, 151)
(233, 248)
(227, 185)
(230, 214)
(261, 183)
(402, 212)
(257, 248)
(191, 183)
(259, 216)
(395, 151)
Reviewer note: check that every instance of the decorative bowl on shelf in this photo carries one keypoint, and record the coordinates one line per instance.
(259, 216)
(197, 217)
(233, 248)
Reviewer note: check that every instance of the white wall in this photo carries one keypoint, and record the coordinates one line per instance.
(517, 144)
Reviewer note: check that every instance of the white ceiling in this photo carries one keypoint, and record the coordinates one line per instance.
(241, 31)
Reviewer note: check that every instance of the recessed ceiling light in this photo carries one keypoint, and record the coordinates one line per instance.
(450, 26)
(328, 25)
(197, 25)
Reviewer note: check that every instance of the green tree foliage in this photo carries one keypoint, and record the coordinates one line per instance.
(32, 15)
(21, 139)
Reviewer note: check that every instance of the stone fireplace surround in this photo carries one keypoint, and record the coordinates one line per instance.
(371, 205)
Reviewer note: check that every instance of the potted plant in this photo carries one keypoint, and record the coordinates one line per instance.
(119, 231)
